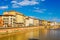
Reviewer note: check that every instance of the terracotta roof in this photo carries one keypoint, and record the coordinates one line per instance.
(12, 11)
(8, 15)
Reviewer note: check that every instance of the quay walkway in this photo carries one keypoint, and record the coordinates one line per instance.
(21, 33)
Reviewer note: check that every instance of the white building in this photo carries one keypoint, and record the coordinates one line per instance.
(9, 20)
(29, 21)
(19, 17)
(26, 21)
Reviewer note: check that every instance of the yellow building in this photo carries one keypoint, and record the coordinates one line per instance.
(19, 17)
(59, 25)
(36, 22)
(55, 25)
(43, 22)
(1, 21)
(10, 13)
(49, 23)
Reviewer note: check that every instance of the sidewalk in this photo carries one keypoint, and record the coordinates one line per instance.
(11, 31)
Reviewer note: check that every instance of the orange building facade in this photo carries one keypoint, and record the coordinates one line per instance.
(1, 21)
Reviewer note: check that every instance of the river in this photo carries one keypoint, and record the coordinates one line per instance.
(42, 34)
(49, 34)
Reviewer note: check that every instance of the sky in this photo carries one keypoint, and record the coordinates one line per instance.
(41, 9)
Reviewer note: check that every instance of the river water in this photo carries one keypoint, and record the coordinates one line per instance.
(37, 34)
(50, 35)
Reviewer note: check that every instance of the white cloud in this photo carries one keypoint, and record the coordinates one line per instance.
(13, 1)
(24, 3)
(36, 8)
(15, 6)
(54, 19)
(42, 0)
(39, 10)
(3, 7)
(34, 17)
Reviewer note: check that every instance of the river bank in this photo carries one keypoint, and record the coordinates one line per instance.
(30, 32)
(13, 31)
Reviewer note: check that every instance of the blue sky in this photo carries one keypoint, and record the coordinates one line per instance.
(42, 9)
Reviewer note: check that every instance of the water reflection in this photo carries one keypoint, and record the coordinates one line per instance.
(49, 34)
(36, 34)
